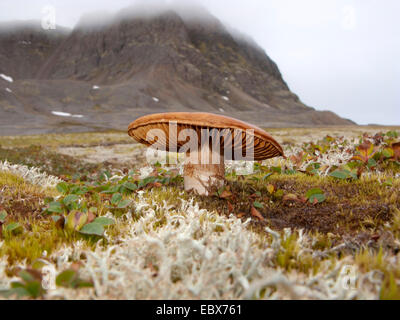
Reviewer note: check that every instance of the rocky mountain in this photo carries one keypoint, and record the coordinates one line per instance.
(102, 76)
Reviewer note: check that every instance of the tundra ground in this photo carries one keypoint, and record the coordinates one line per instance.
(86, 216)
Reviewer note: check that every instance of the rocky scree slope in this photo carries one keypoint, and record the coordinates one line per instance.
(99, 77)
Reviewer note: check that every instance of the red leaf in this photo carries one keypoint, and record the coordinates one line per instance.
(225, 194)
(360, 171)
(230, 207)
(60, 223)
(375, 237)
(241, 214)
(91, 217)
(155, 185)
(303, 199)
(154, 173)
(297, 159)
(257, 214)
(396, 150)
(76, 266)
(365, 151)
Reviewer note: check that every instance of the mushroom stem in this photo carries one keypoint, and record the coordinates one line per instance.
(204, 170)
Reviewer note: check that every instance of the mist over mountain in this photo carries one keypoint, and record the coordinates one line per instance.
(109, 70)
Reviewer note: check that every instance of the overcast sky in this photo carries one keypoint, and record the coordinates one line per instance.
(339, 55)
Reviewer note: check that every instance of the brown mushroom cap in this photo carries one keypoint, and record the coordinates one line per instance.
(265, 146)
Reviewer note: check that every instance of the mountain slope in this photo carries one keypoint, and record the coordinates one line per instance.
(107, 75)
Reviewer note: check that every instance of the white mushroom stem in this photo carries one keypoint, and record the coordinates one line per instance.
(204, 171)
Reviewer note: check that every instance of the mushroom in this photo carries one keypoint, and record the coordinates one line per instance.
(212, 140)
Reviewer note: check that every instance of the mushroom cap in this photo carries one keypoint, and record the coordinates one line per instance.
(265, 146)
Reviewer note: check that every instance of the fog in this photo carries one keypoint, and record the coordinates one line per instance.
(339, 55)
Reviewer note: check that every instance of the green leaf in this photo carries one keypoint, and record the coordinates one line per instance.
(340, 174)
(104, 221)
(371, 163)
(56, 207)
(16, 284)
(62, 187)
(313, 191)
(83, 284)
(146, 181)
(56, 218)
(34, 288)
(93, 210)
(78, 190)
(93, 229)
(3, 216)
(26, 276)
(69, 199)
(65, 278)
(106, 174)
(18, 291)
(388, 182)
(313, 168)
(353, 175)
(257, 204)
(70, 279)
(116, 198)
(111, 190)
(47, 200)
(388, 152)
(130, 186)
(123, 204)
(315, 194)
(277, 169)
(392, 134)
(13, 227)
(318, 196)
(75, 220)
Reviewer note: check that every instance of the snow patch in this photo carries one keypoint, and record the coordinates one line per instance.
(8, 90)
(66, 114)
(221, 110)
(7, 78)
(156, 99)
(225, 98)
(95, 87)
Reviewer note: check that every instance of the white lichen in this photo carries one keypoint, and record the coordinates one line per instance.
(30, 174)
(198, 254)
